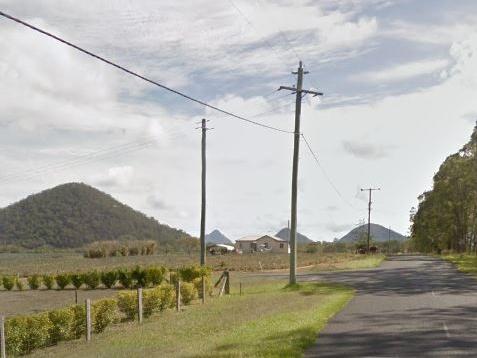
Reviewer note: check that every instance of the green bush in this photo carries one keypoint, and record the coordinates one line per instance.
(63, 280)
(127, 304)
(34, 282)
(155, 275)
(15, 335)
(125, 278)
(79, 320)
(198, 286)
(76, 280)
(140, 276)
(104, 313)
(168, 296)
(62, 323)
(189, 273)
(37, 327)
(151, 301)
(109, 278)
(48, 281)
(9, 282)
(19, 284)
(91, 279)
(188, 292)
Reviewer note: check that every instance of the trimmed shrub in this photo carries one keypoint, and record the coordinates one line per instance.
(76, 280)
(79, 320)
(140, 276)
(189, 273)
(19, 284)
(9, 282)
(188, 292)
(15, 335)
(91, 279)
(127, 304)
(125, 278)
(155, 275)
(198, 286)
(34, 282)
(167, 294)
(109, 278)
(63, 280)
(133, 251)
(48, 281)
(104, 313)
(37, 329)
(151, 301)
(62, 323)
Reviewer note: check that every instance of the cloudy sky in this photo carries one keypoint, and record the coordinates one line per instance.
(400, 84)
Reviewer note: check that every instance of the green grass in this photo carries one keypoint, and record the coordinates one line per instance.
(464, 263)
(269, 321)
(355, 263)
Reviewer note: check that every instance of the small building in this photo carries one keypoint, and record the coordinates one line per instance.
(220, 249)
(262, 243)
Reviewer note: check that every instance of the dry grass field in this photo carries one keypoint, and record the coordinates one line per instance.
(27, 263)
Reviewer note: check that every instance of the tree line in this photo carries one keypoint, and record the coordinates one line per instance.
(446, 218)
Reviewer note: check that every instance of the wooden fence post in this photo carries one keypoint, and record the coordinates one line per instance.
(139, 304)
(203, 289)
(88, 319)
(240, 288)
(2, 337)
(227, 282)
(76, 296)
(178, 295)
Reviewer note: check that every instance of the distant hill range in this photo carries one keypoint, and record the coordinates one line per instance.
(378, 233)
(216, 237)
(300, 238)
(74, 214)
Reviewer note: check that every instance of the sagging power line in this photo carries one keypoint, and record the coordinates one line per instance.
(135, 74)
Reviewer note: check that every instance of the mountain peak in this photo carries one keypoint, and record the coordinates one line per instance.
(300, 238)
(379, 233)
(75, 214)
(216, 237)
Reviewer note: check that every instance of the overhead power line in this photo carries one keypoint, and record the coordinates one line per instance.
(325, 174)
(124, 69)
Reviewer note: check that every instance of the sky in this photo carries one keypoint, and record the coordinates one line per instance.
(399, 80)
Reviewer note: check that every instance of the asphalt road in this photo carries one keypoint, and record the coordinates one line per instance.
(411, 306)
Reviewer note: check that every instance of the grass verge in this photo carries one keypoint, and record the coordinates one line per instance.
(464, 263)
(356, 263)
(269, 321)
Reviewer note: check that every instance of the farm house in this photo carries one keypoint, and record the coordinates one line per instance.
(262, 243)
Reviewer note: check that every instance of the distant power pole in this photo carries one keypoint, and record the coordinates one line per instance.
(203, 206)
(369, 211)
(389, 240)
(300, 92)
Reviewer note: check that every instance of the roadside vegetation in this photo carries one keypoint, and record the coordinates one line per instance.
(464, 263)
(446, 219)
(269, 320)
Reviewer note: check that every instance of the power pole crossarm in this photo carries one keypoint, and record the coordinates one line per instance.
(296, 152)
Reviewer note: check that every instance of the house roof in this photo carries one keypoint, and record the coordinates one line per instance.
(256, 237)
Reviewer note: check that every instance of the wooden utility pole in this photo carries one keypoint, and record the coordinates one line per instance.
(300, 92)
(389, 240)
(370, 190)
(203, 204)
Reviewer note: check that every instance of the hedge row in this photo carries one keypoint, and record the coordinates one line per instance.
(23, 334)
(125, 278)
(26, 333)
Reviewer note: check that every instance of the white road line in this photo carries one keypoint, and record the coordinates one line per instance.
(446, 329)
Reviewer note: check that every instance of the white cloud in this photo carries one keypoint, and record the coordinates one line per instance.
(402, 72)
(115, 177)
(365, 150)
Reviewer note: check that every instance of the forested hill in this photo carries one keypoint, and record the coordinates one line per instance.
(75, 214)
(446, 218)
